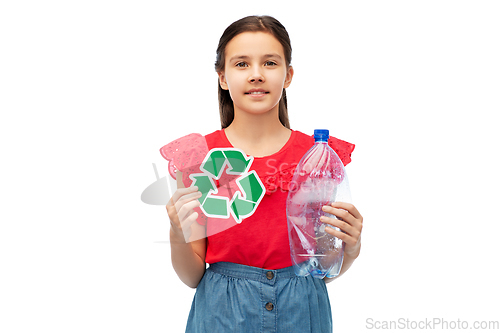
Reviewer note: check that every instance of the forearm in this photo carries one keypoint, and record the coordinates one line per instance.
(188, 265)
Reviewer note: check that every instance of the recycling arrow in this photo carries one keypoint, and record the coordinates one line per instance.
(216, 207)
(238, 162)
(251, 186)
(241, 208)
(205, 185)
(251, 190)
(214, 163)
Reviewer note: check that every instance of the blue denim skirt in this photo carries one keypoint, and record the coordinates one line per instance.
(236, 298)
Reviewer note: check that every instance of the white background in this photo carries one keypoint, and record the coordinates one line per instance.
(90, 90)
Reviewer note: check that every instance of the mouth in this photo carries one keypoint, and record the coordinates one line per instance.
(256, 92)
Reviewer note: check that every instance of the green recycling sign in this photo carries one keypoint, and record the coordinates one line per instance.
(250, 188)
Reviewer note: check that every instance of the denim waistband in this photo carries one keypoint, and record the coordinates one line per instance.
(268, 276)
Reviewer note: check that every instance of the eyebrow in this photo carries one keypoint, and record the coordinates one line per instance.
(269, 55)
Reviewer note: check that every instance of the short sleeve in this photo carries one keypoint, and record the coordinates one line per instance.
(185, 154)
(342, 148)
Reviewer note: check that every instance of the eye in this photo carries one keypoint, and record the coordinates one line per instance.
(270, 63)
(241, 64)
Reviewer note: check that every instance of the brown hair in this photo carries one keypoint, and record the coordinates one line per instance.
(253, 24)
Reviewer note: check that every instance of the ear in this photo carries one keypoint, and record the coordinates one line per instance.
(222, 80)
(288, 78)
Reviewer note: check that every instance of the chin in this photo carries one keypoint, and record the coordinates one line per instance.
(259, 110)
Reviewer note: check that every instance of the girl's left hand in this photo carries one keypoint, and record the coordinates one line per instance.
(350, 223)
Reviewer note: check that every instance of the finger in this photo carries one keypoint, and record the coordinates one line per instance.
(188, 221)
(342, 225)
(186, 208)
(184, 220)
(342, 214)
(182, 192)
(348, 239)
(186, 199)
(349, 207)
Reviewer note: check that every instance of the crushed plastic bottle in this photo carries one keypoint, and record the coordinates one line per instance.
(319, 180)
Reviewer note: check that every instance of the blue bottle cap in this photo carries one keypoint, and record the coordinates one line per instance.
(321, 135)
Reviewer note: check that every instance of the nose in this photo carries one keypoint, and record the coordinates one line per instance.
(256, 76)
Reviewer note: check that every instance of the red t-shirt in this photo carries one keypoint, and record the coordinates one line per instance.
(260, 240)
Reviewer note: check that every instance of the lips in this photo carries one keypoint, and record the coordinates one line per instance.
(256, 92)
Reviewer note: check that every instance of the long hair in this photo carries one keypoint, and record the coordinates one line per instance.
(251, 24)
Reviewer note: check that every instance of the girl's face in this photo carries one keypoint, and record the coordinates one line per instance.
(255, 72)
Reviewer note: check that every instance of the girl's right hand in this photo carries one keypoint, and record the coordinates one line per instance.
(181, 212)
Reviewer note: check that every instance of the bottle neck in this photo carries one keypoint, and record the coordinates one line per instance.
(321, 135)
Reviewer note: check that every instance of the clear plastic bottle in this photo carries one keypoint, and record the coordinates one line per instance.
(319, 180)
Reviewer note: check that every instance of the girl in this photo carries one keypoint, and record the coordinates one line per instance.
(250, 285)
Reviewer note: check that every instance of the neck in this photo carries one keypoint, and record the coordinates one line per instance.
(256, 127)
(257, 134)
